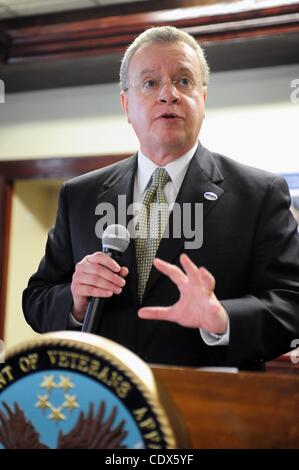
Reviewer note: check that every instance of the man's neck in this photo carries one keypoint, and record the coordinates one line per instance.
(162, 157)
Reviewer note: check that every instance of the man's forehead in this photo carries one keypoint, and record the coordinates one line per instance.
(178, 47)
(147, 59)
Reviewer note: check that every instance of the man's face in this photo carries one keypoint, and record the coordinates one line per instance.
(165, 99)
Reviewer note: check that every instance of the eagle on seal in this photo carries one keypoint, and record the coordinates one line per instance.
(89, 432)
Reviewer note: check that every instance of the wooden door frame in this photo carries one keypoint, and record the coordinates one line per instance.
(45, 168)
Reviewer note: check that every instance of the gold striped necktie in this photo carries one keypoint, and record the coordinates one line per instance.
(150, 226)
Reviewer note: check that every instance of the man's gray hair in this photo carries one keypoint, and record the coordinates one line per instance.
(162, 34)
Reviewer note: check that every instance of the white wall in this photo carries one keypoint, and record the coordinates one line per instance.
(64, 122)
(249, 117)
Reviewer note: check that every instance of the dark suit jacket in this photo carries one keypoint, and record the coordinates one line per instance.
(250, 244)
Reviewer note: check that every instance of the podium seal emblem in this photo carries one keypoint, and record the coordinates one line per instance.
(72, 390)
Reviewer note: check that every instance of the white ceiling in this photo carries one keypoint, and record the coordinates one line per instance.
(16, 8)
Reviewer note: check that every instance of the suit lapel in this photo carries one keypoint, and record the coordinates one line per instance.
(199, 183)
(118, 191)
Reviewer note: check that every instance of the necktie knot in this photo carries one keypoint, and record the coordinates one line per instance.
(160, 178)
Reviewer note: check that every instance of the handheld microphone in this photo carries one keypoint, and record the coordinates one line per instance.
(115, 241)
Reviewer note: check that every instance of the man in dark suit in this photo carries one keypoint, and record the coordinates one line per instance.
(250, 242)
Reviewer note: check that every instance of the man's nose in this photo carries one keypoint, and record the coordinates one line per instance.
(168, 93)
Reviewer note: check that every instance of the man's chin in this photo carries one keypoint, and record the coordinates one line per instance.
(171, 139)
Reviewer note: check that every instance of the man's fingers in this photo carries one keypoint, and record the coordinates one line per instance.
(104, 260)
(207, 280)
(123, 271)
(155, 313)
(98, 282)
(170, 270)
(97, 275)
(90, 291)
(96, 271)
(190, 268)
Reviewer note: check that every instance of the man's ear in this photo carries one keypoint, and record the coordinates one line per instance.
(124, 104)
(205, 94)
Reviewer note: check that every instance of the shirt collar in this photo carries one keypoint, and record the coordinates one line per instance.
(176, 169)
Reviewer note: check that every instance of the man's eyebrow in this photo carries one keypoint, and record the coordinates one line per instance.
(178, 69)
(184, 69)
(146, 71)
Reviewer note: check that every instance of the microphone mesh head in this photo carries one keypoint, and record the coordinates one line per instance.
(116, 237)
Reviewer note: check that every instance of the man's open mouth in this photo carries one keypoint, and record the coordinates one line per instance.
(169, 116)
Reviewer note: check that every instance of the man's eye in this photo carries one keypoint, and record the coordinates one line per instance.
(149, 84)
(185, 82)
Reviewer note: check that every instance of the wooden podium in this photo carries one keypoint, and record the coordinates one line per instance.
(234, 410)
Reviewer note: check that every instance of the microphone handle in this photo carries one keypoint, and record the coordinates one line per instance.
(93, 315)
(94, 312)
